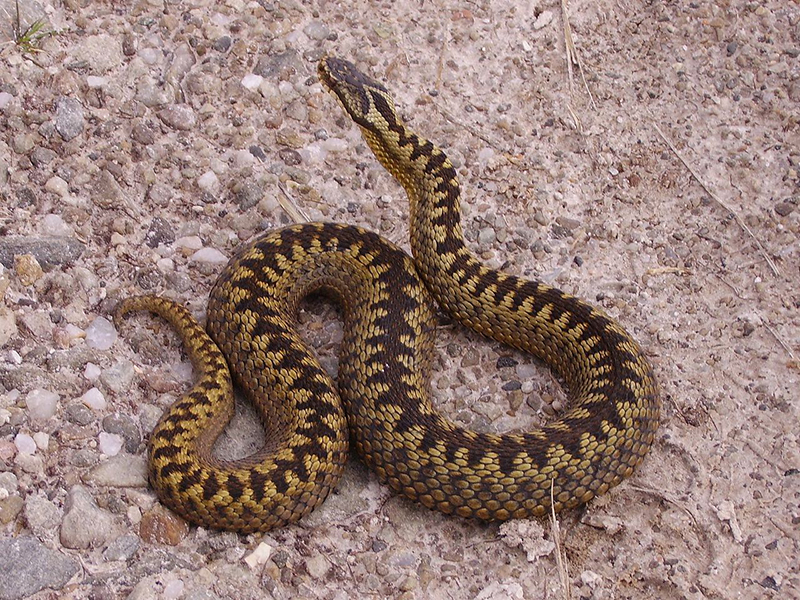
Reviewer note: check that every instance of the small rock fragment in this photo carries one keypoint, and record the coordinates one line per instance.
(27, 566)
(160, 526)
(209, 256)
(27, 268)
(259, 556)
(122, 470)
(101, 334)
(8, 325)
(85, 525)
(122, 548)
(69, 118)
(25, 443)
(41, 404)
(94, 399)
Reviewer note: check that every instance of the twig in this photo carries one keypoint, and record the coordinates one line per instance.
(572, 54)
(779, 339)
(719, 201)
(287, 204)
(561, 559)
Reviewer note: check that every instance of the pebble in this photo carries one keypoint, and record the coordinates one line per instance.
(94, 399)
(487, 236)
(48, 250)
(173, 590)
(123, 470)
(178, 116)
(316, 30)
(160, 526)
(318, 566)
(56, 226)
(25, 443)
(85, 525)
(5, 99)
(95, 82)
(27, 268)
(526, 370)
(27, 566)
(109, 443)
(42, 440)
(10, 507)
(102, 52)
(252, 81)
(159, 232)
(78, 413)
(8, 482)
(41, 404)
(41, 515)
(91, 371)
(101, 334)
(189, 244)
(8, 325)
(119, 377)
(209, 256)
(259, 556)
(122, 548)
(208, 182)
(124, 426)
(69, 118)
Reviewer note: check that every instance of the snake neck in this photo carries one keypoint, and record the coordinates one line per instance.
(431, 184)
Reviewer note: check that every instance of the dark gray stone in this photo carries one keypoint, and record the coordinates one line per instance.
(27, 566)
(48, 250)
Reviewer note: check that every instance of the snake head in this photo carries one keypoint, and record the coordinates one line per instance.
(359, 95)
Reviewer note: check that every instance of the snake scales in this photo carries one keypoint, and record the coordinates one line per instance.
(382, 403)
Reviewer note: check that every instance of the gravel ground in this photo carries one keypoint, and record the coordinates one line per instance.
(657, 177)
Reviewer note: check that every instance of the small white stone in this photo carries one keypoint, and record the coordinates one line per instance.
(189, 244)
(259, 556)
(91, 371)
(335, 144)
(5, 99)
(251, 81)
(57, 186)
(543, 20)
(173, 590)
(74, 332)
(134, 514)
(101, 334)
(209, 255)
(55, 225)
(42, 440)
(117, 239)
(41, 404)
(93, 81)
(24, 443)
(165, 265)
(208, 182)
(5, 416)
(94, 399)
(591, 579)
(313, 153)
(243, 158)
(110, 443)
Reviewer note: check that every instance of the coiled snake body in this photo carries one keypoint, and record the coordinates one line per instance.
(382, 403)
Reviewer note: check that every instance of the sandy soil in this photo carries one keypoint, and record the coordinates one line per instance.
(657, 177)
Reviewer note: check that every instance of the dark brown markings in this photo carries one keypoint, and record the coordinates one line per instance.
(210, 488)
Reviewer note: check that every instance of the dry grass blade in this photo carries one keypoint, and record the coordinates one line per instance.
(572, 54)
(288, 205)
(719, 201)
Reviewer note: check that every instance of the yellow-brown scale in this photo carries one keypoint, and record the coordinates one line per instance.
(385, 362)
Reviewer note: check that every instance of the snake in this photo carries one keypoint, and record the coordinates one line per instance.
(381, 402)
